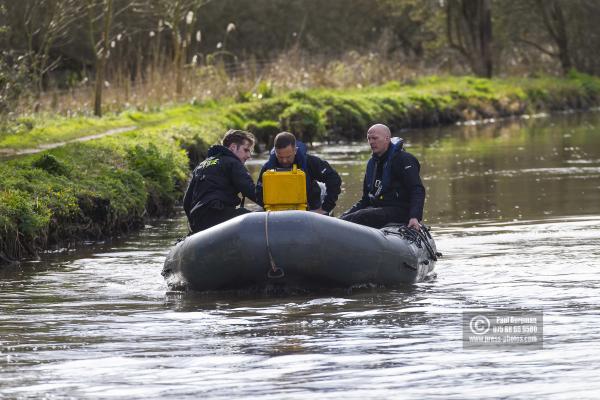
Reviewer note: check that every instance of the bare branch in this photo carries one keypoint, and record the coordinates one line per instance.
(538, 47)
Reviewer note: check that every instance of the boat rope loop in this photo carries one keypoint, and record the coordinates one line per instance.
(426, 236)
(273, 272)
(419, 238)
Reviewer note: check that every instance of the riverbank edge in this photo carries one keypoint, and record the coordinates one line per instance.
(101, 188)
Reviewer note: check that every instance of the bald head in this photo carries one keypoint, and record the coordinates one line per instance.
(381, 129)
(379, 138)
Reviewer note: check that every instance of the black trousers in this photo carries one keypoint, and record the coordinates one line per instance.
(377, 217)
(206, 218)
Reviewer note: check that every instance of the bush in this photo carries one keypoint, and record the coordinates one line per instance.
(304, 121)
(344, 119)
(589, 84)
(265, 90)
(264, 131)
(162, 176)
(23, 224)
(51, 164)
(193, 140)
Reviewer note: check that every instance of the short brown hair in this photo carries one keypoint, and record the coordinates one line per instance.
(284, 139)
(238, 137)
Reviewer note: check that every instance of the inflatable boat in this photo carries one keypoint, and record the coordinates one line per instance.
(298, 250)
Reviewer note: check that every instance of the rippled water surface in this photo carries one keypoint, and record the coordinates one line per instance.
(514, 208)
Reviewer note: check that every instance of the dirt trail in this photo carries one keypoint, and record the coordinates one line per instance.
(13, 152)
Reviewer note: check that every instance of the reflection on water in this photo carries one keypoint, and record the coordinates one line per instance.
(519, 229)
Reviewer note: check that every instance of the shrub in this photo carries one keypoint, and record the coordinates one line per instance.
(23, 224)
(158, 170)
(345, 120)
(193, 140)
(51, 164)
(304, 121)
(264, 131)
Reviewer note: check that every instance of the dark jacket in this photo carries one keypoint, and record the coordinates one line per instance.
(217, 181)
(316, 170)
(393, 180)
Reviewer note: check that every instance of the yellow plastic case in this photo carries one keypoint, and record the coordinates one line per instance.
(284, 190)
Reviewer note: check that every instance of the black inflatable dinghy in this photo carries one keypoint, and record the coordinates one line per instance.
(298, 250)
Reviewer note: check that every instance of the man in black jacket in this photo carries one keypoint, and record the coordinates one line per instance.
(392, 188)
(288, 151)
(212, 195)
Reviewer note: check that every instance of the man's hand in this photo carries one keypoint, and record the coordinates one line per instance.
(320, 211)
(414, 224)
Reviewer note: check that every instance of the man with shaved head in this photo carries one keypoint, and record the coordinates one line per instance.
(392, 188)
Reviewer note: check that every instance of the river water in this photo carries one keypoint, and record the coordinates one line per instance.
(514, 208)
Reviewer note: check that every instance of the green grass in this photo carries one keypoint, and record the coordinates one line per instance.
(29, 132)
(102, 187)
(91, 190)
(342, 115)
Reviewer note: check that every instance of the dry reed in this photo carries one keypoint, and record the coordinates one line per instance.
(155, 87)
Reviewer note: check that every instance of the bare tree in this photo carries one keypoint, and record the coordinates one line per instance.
(469, 31)
(550, 27)
(99, 10)
(101, 15)
(555, 23)
(45, 25)
(179, 17)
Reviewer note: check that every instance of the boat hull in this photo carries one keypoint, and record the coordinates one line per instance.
(297, 250)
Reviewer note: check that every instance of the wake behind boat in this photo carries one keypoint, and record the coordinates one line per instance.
(298, 250)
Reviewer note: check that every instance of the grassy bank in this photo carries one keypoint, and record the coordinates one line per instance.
(33, 131)
(103, 187)
(96, 189)
(326, 115)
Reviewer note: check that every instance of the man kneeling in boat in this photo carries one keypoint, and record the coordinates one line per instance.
(288, 151)
(212, 195)
(392, 188)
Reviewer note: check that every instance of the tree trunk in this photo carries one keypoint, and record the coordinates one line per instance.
(554, 20)
(101, 59)
(98, 85)
(469, 31)
(178, 67)
(485, 37)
